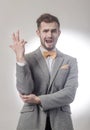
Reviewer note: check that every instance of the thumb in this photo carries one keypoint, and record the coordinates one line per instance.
(12, 47)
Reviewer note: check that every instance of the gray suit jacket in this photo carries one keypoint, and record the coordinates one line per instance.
(56, 92)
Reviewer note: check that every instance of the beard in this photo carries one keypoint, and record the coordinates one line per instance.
(47, 47)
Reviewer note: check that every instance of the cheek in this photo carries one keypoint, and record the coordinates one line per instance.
(56, 37)
(42, 37)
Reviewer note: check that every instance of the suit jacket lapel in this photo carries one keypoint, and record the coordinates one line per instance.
(58, 62)
(42, 63)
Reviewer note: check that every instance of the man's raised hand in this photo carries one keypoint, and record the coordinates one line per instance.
(18, 47)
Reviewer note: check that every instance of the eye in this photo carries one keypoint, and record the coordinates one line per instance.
(54, 30)
(45, 30)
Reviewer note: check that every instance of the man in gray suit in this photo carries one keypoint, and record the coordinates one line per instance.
(46, 80)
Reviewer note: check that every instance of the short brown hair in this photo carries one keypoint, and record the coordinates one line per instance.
(48, 18)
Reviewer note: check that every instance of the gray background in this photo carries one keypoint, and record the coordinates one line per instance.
(22, 14)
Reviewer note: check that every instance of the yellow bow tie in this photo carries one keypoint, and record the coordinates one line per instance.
(49, 53)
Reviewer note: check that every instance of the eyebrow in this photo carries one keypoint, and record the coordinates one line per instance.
(46, 30)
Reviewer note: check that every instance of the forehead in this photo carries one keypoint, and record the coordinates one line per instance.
(52, 25)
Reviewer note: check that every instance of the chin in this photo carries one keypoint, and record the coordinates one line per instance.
(47, 47)
(50, 48)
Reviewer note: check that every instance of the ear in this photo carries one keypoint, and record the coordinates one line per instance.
(38, 32)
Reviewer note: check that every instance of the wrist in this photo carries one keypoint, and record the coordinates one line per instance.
(38, 100)
(20, 59)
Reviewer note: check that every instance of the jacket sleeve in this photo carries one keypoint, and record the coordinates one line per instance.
(66, 95)
(24, 81)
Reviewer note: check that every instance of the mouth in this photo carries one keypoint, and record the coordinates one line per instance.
(49, 41)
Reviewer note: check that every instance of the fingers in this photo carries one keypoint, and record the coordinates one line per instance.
(28, 98)
(16, 37)
(25, 98)
(12, 47)
(23, 42)
(13, 37)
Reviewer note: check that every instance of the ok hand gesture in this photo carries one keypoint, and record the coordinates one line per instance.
(18, 47)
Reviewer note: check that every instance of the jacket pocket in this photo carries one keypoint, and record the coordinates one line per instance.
(66, 109)
(28, 108)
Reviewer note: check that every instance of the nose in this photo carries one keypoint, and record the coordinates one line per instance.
(49, 34)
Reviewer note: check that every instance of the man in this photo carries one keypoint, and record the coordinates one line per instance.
(46, 80)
